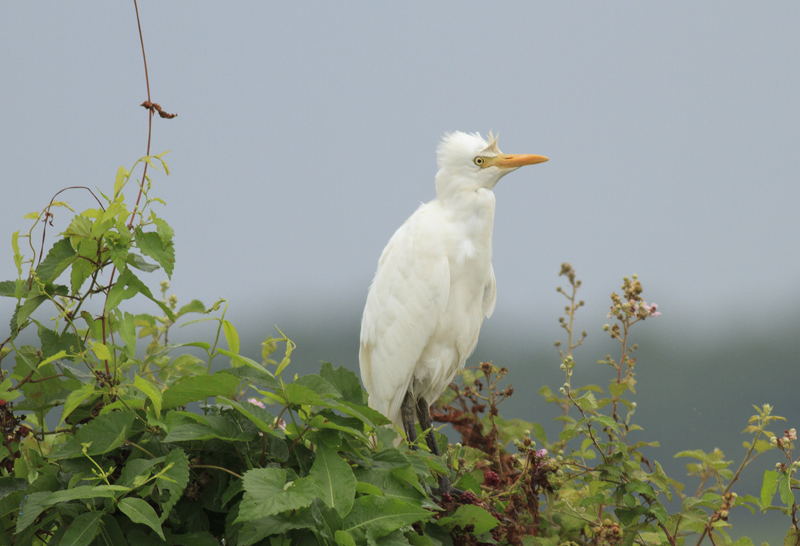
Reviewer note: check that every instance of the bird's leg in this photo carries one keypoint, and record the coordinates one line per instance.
(425, 423)
(424, 416)
(407, 414)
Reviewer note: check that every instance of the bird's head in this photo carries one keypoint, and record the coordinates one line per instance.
(467, 162)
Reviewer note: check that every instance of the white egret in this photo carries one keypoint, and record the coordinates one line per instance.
(434, 285)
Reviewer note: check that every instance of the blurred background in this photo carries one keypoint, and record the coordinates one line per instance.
(306, 135)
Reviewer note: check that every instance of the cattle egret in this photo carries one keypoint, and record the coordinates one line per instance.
(434, 285)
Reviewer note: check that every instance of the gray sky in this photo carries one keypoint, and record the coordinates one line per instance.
(307, 132)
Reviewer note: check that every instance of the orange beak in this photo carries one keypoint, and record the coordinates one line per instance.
(510, 161)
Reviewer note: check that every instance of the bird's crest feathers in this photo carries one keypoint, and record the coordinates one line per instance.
(458, 148)
(492, 147)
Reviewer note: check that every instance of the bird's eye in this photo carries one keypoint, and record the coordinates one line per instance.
(479, 161)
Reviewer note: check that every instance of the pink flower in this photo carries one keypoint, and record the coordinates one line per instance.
(541, 453)
(653, 310)
(256, 403)
(281, 424)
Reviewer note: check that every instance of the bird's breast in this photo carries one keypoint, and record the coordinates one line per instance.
(465, 251)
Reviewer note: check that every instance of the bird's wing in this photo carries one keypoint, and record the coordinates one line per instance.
(409, 293)
(490, 295)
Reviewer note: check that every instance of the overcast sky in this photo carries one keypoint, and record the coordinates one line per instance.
(307, 133)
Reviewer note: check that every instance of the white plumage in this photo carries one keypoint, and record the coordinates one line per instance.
(435, 282)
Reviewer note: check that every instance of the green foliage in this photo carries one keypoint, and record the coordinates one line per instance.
(128, 463)
(154, 445)
(594, 485)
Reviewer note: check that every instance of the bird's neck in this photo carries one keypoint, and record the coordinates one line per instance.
(473, 211)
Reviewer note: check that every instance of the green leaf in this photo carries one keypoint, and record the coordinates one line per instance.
(9, 288)
(238, 360)
(319, 385)
(82, 268)
(469, 482)
(260, 417)
(58, 259)
(695, 453)
(233, 489)
(174, 479)
(606, 421)
(768, 487)
(300, 395)
(231, 336)
(253, 531)
(101, 351)
(151, 245)
(134, 260)
(346, 382)
(366, 414)
(140, 512)
(194, 306)
(192, 389)
(365, 488)
(258, 375)
(343, 538)
(381, 516)
(9, 485)
(53, 343)
(267, 494)
(49, 359)
(587, 401)
(75, 399)
(391, 487)
(17, 256)
(25, 310)
(151, 391)
(105, 433)
(195, 539)
(165, 232)
(792, 538)
(659, 512)
(785, 490)
(617, 389)
(31, 508)
(119, 183)
(127, 330)
(197, 431)
(395, 538)
(335, 480)
(82, 530)
(127, 286)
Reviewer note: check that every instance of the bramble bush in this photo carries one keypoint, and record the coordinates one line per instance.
(114, 436)
(100, 448)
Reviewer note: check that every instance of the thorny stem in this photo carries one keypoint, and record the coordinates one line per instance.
(231, 472)
(624, 342)
(746, 461)
(149, 119)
